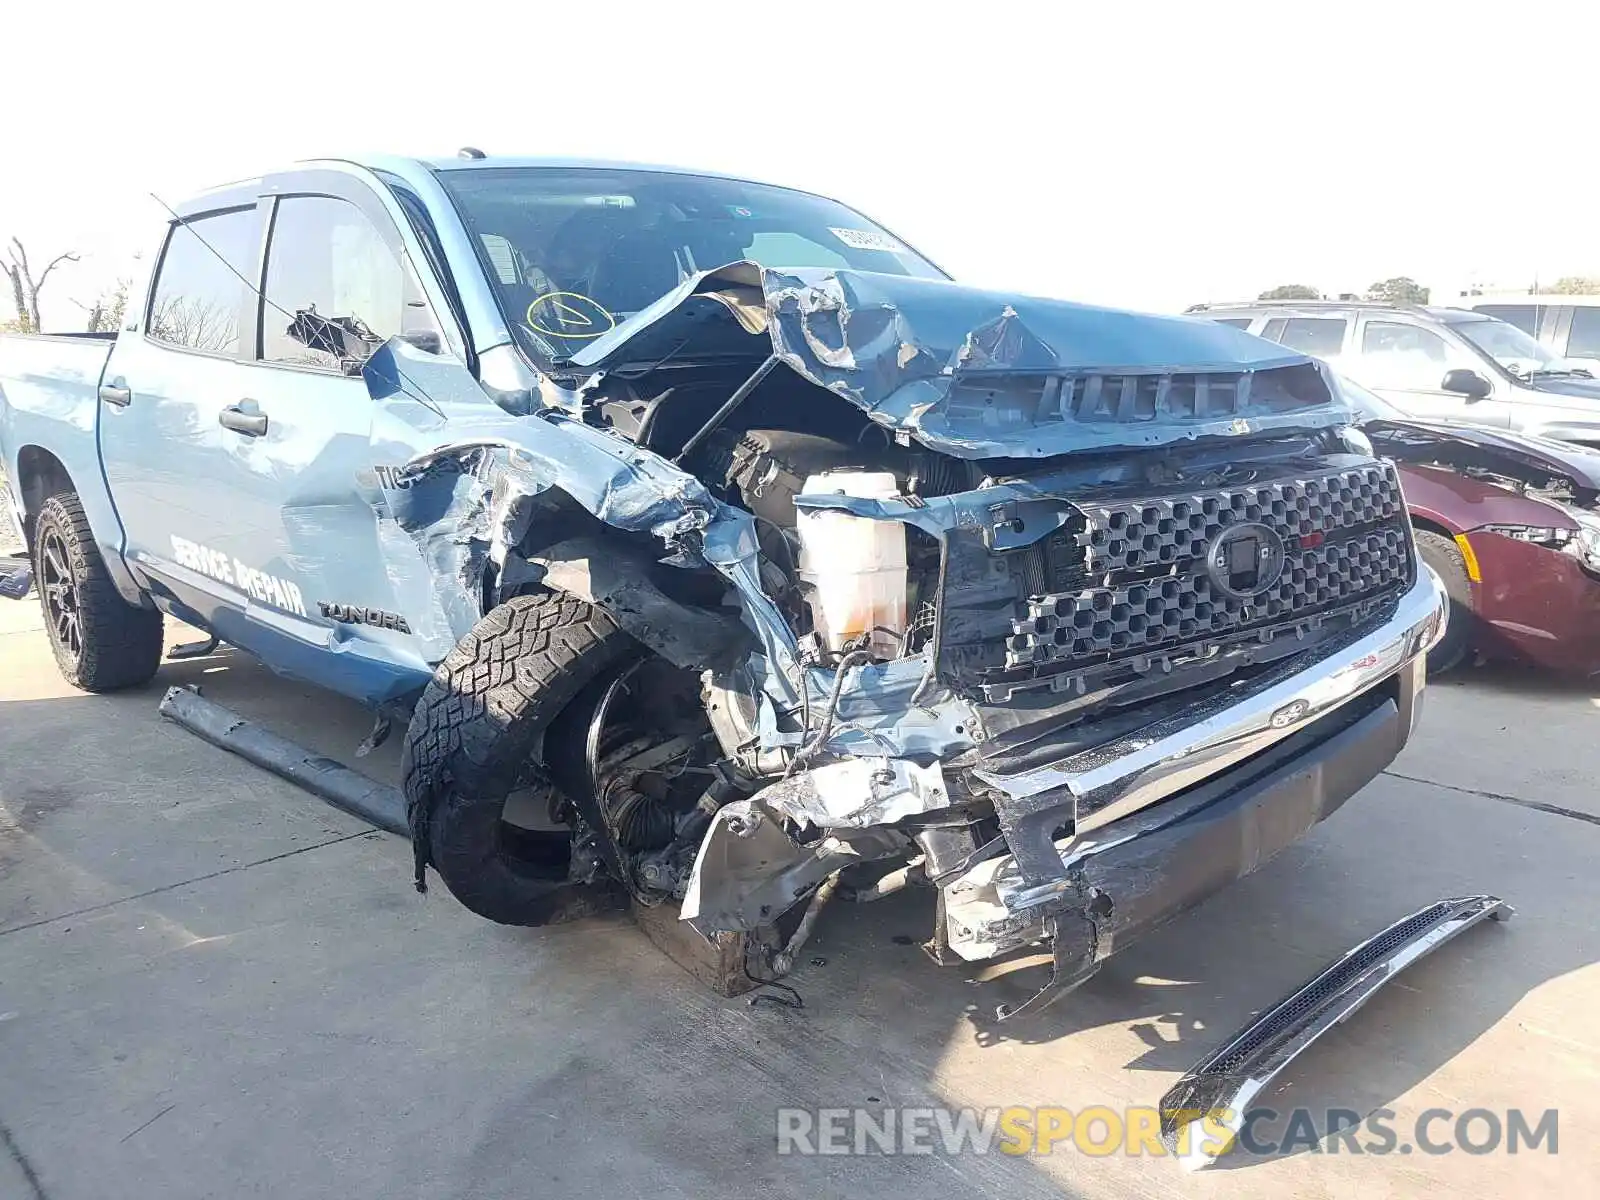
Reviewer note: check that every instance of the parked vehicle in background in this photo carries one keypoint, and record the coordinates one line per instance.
(1510, 523)
(713, 541)
(1439, 364)
(1568, 325)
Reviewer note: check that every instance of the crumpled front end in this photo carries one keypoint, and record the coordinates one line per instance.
(1120, 575)
(1084, 750)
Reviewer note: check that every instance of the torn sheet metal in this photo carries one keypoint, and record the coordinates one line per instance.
(1223, 1085)
(494, 464)
(858, 793)
(985, 374)
(749, 869)
(501, 461)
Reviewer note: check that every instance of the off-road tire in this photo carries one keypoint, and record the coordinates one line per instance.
(470, 739)
(1444, 556)
(120, 643)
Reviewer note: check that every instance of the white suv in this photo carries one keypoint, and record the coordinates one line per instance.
(1438, 364)
(1569, 325)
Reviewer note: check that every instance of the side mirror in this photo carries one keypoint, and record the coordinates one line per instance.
(1466, 382)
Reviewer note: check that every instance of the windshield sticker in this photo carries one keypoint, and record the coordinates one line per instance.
(569, 315)
(740, 211)
(867, 239)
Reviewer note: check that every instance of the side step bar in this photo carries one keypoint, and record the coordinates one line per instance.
(1223, 1085)
(376, 803)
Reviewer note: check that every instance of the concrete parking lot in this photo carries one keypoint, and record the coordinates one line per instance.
(211, 984)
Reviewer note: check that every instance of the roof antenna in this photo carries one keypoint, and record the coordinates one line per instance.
(470, 152)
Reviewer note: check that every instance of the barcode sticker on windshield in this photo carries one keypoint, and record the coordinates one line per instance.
(867, 239)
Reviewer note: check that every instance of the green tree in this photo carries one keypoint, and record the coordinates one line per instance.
(1291, 291)
(1402, 289)
(1576, 285)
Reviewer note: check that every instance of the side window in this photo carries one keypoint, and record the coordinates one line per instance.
(335, 286)
(1524, 316)
(200, 284)
(1583, 341)
(1407, 357)
(1319, 336)
(1236, 322)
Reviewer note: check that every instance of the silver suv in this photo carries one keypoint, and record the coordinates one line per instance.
(1445, 364)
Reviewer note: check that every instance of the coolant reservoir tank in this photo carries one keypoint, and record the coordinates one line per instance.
(855, 568)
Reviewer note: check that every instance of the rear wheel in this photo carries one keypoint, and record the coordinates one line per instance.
(1444, 556)
(101, 642)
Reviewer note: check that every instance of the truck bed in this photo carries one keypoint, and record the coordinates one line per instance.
(49, 399)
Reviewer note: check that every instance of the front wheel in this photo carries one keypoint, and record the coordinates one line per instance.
(101, 642)
(1444, 556)
(472, 740)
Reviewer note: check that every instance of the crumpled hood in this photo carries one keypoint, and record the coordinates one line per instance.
(977, 373)
(1519, 455)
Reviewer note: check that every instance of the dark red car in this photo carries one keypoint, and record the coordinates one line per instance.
(1510, 524)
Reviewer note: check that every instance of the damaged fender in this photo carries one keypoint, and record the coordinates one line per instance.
(507, 462)
(686, 637)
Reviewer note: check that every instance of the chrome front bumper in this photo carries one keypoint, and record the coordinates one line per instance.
(1266, 762)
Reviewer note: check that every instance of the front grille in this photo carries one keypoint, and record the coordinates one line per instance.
(1159, 532)
(1102, 620)
(1130, 577)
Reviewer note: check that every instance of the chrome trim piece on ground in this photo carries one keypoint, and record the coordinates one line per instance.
(1224, 1084)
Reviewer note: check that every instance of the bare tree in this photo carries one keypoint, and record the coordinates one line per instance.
(110, 306)
(25, 286)
(194, 322)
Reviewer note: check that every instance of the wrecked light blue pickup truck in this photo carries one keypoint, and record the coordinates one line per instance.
(721, 551)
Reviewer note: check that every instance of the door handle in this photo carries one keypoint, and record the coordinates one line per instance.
(251, 424)
(112, 393)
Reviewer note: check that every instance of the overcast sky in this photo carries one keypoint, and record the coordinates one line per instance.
(1142, 155)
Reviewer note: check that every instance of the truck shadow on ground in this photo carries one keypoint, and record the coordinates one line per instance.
(874, 1002)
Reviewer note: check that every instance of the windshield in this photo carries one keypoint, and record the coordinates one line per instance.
(574, 251)
(1510, 347)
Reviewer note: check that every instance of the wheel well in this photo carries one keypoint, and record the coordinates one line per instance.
(40, 475)
(1432, 527)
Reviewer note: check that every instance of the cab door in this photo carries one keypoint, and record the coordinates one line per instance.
(186, 513)
(335, 285)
